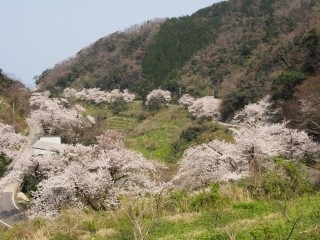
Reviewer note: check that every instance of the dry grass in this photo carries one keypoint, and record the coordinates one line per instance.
(183, 217)
(192, 234)
(248, 223)
(235, 193)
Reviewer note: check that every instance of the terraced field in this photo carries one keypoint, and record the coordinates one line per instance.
(121, 123)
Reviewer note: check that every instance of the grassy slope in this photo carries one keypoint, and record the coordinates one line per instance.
(162, 135)
(244, 219)
(155, 135)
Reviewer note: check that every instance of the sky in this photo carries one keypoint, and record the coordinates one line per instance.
(37, 34)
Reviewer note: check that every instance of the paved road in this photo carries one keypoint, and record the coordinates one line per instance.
(9, 211)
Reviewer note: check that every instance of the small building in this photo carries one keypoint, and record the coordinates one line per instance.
(46, 145)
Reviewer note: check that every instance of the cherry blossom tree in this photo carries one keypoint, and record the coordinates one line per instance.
(255, 112)
(254, 139)
(70, 93)
(10, 142)
(98, 96)
(164, 96)
(186, 100)
(206, 107)
(75, 173)
(93, 176)
(266, 140)
(110, 140)
(206, 163)
(53, 111)
(58, 116)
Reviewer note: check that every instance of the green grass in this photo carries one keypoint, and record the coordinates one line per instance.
(249, 219)
(151, 134)
(121, 123)
(197, 133)
(155, 135)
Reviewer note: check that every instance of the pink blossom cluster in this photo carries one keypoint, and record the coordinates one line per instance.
(98, 96)
(54, 112)
(254, 139)
(10, 142)
(159, 94)
(186, 100)
(95, 176)
(255, 112)
(206, 107)
(206, 163)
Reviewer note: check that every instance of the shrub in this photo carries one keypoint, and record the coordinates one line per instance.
(284, 85)
(208, 199)
(182, 201)
(118, 105)
(141, 117)
(30, 184)
(286, 181)
(4, 162)
(197, 134)
(155, 104)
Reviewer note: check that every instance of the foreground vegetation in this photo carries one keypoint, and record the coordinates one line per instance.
(262, 206)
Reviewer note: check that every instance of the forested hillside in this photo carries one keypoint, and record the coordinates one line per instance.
(240, 49)
(14, 102)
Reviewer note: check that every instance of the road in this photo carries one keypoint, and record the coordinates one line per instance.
(9, 211)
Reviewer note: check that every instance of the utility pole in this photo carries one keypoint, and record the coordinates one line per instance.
(13, 111)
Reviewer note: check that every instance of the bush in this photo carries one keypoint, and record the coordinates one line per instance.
(191, 133)
(283, 86)
(4, 162)
(141, 117)
(208, 199)
(118, 106)
(155, 104)
(286, 181)
(182, 201)
(199, 133)
(30, 184)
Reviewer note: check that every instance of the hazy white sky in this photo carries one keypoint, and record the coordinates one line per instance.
(36, 34)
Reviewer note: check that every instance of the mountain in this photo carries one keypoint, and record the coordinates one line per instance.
(240, 49)
(14, 102)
